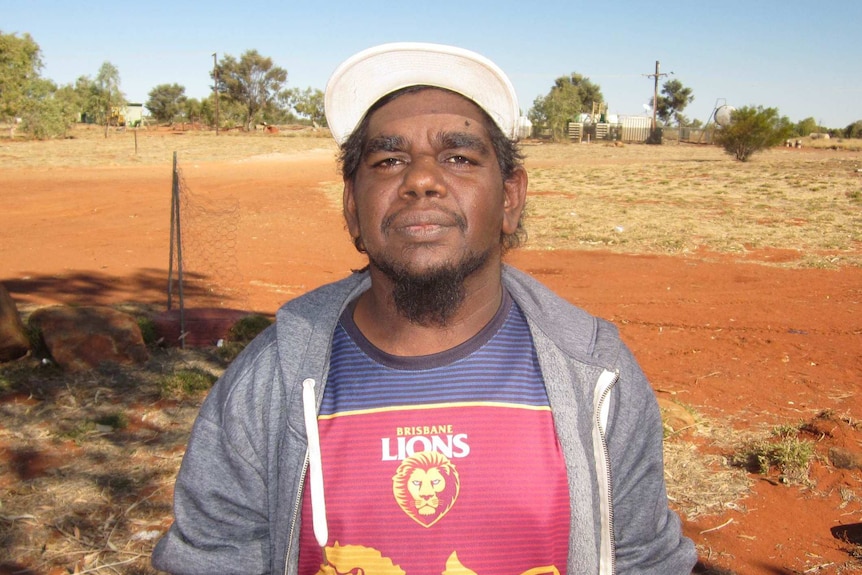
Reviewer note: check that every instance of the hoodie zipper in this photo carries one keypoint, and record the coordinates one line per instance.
(607, 558)
(297, 509)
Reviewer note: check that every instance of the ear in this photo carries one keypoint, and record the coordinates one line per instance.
(349, 205)
(515, 196)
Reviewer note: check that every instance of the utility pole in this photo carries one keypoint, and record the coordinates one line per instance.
(655, 76)
(215, 87)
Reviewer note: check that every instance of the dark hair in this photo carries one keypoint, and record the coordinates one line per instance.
(509, 155)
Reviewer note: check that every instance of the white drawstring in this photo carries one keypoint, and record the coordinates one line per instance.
(318, 502)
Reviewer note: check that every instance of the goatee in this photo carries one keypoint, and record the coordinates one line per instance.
(432, 297)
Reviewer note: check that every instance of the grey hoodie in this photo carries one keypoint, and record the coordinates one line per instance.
(238, 492)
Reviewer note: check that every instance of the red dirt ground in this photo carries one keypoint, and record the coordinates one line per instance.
(747, 346)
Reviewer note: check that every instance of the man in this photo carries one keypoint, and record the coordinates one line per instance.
(438, 412)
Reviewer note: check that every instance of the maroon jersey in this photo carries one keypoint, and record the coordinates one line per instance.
(441, 464)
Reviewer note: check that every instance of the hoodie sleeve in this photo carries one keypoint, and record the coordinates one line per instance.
(221, 522)
(648, 535)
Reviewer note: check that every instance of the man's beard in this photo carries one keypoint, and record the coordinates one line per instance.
(430, 298)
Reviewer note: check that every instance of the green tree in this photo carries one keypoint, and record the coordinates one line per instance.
(806, 127)
(853, 130)
(48, 111)
(204, 108)
(106, 93)
(191, 110)
(42, 109)
(281, 112)
(252, 81)
(20, 66)
(166, 102)
(569, 97)
(308, 103)
(85, 93)
(672, 101)
(752, 130)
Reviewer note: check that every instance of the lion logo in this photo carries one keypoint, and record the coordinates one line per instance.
(426, 486)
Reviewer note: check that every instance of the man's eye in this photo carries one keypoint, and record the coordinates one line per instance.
(459, 160)
(387, 162)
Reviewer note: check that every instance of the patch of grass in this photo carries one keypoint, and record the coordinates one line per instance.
(241, 334)
(37, 342)
(701, 483)
(27, 374)
(79, 432)
(247, 328)
(148, 331)
(783, 452)
(117, 420)
(185, 383)
(86, 428)
(7, 381)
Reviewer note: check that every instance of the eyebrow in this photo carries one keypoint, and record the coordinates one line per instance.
(385, 144)
(462, 140)
(446, 140)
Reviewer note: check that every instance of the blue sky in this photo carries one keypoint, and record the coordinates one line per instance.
(804, 58)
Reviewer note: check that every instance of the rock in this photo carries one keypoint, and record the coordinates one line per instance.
(844, 458)
(81, 338)
(14, 342)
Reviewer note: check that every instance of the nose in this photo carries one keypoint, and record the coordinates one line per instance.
(423, 178)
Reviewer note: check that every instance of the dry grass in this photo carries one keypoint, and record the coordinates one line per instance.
(682, 199)
(88, 146)
(91, 460)
(702, 484)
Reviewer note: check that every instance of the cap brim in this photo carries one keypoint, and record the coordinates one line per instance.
(373, 73)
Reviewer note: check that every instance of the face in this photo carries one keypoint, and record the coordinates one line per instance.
(424, 486)
(428, 192)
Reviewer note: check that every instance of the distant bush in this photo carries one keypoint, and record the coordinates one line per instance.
(854, 130)
(752, 130)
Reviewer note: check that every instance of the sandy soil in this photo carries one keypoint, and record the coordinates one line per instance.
(746, 345)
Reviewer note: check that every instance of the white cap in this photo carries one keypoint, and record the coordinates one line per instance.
(366, 77)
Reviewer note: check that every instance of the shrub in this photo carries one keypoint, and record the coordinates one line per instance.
(186, 383)
(117, 420)
(752, 130)
(784, 452)
(247, 328)
(148, 330)
(38, 347)
(241, 334)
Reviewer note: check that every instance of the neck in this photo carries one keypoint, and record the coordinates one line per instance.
(380, 321)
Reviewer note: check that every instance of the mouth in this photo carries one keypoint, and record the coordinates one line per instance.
(422, 224)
